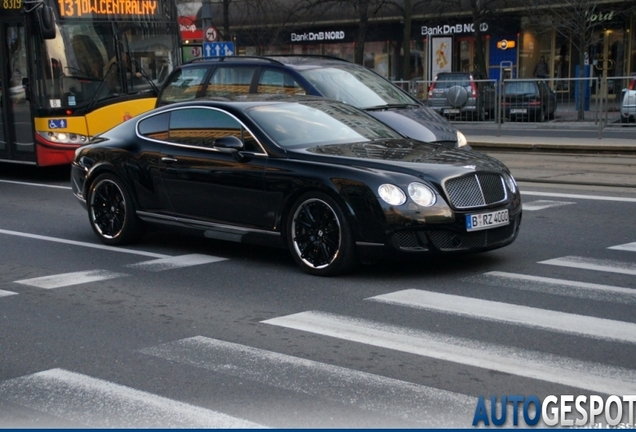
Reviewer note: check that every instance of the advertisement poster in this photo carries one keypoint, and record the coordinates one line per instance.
(442, 53)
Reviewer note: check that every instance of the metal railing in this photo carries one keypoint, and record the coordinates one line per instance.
(592, 101)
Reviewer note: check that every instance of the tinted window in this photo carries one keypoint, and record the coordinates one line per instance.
(356, 86)
(317, 123)
(202, 126)
(520, 88)
(228, 81)
(276, 82)
(184, 85)
(155, 127)
(450, 80)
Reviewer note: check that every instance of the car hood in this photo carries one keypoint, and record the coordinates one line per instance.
(420, 123)
(412, 157)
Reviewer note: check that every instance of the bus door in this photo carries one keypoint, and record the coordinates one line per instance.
(16, 121)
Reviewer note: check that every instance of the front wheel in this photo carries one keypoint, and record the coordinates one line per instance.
(111, 211)
(319, 236)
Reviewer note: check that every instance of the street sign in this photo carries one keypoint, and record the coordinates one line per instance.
(211, 34)
(216, 49)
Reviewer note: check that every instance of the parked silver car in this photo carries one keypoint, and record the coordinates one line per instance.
(628, 107)
(463, 94)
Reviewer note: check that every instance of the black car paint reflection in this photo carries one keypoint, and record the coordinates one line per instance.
(298, 172)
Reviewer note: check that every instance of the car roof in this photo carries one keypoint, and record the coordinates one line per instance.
(284, 60)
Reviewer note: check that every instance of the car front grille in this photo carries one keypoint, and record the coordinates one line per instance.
(475, 190)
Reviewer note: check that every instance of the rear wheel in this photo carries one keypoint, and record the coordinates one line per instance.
(319, 236)
(111, 211)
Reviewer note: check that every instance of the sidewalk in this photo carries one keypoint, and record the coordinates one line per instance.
(591, 144)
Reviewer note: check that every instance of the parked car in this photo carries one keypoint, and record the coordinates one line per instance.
(322, 178)
(628, 106)
(463, 94)
(529, 99)
(311, 75)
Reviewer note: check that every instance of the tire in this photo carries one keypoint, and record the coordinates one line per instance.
(319, 237)
(540, 116)
(111, 211)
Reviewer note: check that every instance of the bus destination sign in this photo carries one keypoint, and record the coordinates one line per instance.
(10, 4)
(106, 8)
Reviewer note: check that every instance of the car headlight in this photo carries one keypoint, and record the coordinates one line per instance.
(392, 194)
(510, 182)
(461, 139)
(422, 194)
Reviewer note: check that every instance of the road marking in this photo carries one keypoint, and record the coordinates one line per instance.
(4, 293)
(83, 244)
(103, 404)
(590, 197)
(513, 360)
(560, 287)
(580, 325)
(175, 262)
(631, 247)
(341, 385)
(68, 279)
(35, 184)
(544, 204)
(593, 264)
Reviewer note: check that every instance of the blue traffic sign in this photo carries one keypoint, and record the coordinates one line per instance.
(216, 49)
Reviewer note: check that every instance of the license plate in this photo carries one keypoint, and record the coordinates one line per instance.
(518, 111)
(476, 222)
(451, 111)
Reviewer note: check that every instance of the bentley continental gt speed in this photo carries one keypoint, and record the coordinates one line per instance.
(324, 179)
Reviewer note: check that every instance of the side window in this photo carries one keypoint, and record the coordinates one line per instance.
(202, 126)
(155, 127)
(228, 81)
(184, 85)
(276, 82)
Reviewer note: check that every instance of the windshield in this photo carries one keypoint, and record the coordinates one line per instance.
(356, 86)
(317, 123)
(94, 61)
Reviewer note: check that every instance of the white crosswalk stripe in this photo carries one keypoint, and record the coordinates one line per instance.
(68, 279)
(631, 247)
(98, 403)
(584, 263)
(526, 363)
(544, 204)
(560, 287)
(513, 314)
(4, 293)
(366, 391)
(170, 263)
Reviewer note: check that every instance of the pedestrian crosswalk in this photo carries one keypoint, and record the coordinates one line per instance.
(89, 401)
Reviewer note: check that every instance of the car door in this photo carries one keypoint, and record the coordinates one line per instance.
(208, 183)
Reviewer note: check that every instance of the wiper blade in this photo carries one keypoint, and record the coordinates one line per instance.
(391, 106)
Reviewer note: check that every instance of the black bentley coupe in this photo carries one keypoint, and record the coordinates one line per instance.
(324, 179)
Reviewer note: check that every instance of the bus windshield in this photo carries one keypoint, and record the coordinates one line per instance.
(90, 62)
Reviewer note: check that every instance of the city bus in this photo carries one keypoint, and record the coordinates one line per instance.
(72, 69)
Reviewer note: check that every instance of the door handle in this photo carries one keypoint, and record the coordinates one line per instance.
(168, 159)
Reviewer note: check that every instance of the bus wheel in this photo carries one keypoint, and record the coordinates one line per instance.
(111, 211)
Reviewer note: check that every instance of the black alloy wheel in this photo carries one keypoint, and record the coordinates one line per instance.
(111, 211)
(319, 237)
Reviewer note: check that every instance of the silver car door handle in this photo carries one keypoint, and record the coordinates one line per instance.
(168, 159)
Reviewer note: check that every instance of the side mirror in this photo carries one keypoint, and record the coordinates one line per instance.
(230, 144)
(46, 20)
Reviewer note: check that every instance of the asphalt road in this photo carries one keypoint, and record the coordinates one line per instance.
(182, 331)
